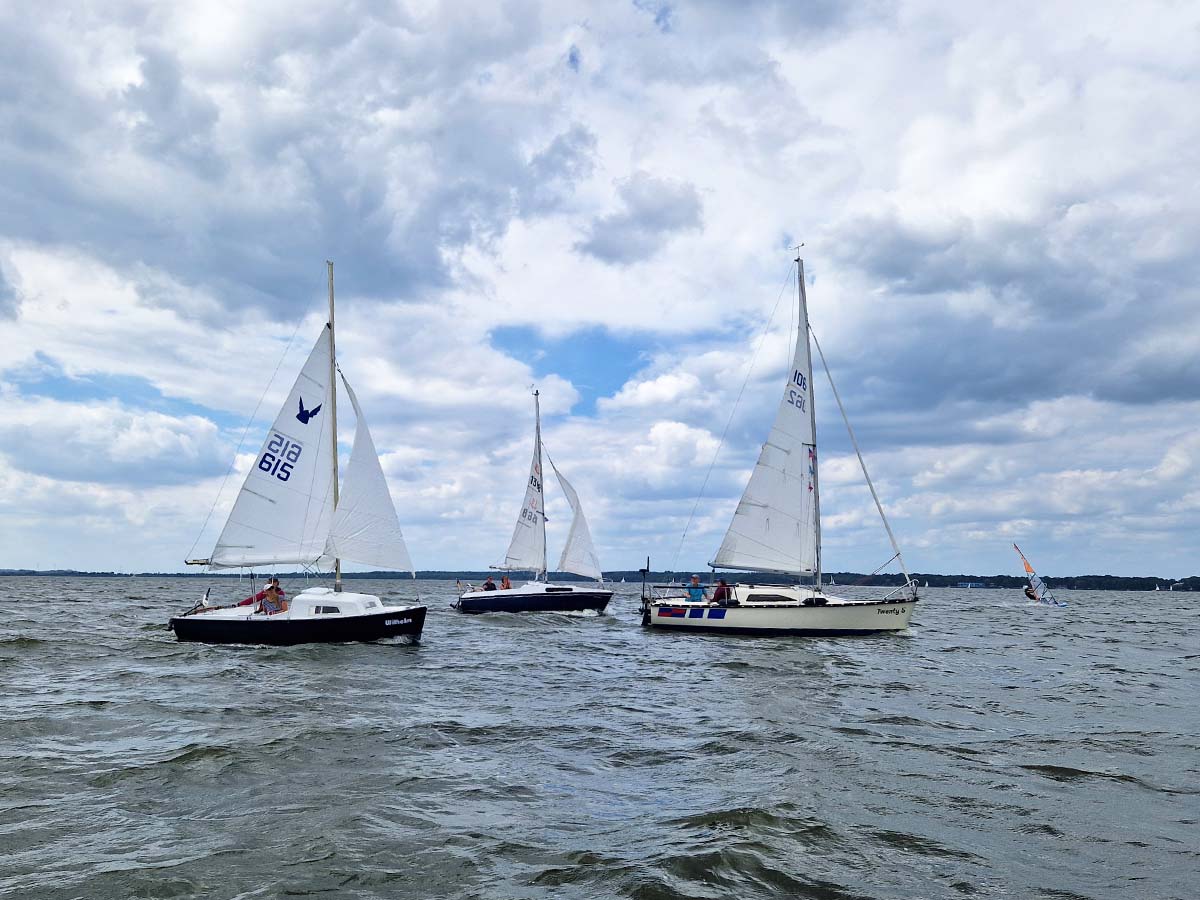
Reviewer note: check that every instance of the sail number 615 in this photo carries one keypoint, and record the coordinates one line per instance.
(280, 456)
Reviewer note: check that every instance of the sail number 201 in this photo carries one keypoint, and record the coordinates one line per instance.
(280, 456)
(798, 398)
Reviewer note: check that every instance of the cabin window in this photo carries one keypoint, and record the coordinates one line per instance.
(370, 603)
(770, 598)
(322, 610)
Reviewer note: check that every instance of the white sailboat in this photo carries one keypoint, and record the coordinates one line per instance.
(776, 528)
(291, 511)
(527, 553)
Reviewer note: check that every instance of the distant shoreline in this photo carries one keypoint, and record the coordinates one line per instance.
(842, 579)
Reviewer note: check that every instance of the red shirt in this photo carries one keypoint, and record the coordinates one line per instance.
(258, 597)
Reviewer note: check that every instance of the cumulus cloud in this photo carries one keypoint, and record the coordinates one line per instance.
(998, 210)
(653, 210)
(107, 442)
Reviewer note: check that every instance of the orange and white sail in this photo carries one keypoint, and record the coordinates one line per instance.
(1041, 592)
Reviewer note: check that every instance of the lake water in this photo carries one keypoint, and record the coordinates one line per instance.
(996, 749)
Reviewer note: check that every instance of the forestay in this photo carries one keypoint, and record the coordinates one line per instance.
(774, 528)
(527, 550)
(365, 527)
(283, 512)
(579, 554)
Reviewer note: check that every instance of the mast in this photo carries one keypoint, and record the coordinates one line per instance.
(537, 413)
(337, 563)
(812, 410)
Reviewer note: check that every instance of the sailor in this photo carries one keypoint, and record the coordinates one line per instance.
(695, 590)
(1030, 592)
(505, 584)
(273, 602)
(257, 598)
(489, 585)
(722, 594)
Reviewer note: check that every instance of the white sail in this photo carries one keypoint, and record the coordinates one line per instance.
(774, 528)
(283, 511)
(365, 527)
(527, 550)
(579, 553)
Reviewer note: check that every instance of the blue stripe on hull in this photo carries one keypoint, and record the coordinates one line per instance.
(767, 632)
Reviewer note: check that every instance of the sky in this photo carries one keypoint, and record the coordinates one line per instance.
(999, 207)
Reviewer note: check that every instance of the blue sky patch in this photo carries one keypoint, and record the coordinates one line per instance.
(595, 360)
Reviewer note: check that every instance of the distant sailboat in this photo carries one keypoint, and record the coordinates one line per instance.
(290, 512)
(527, 553)
(776, 528)
(1036, 590)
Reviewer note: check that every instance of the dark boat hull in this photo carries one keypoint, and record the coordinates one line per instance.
(325, 630)
(573, 601)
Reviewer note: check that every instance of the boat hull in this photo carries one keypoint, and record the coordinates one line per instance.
(869, 617)
(280, 631)
(523, 601)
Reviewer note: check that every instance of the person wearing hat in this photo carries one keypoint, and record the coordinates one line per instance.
(489, 585)
(273, 601)
(695, 590)
(258, 598)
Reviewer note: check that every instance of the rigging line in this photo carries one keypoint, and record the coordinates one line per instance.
(867, 578)
(858, 453)
(749, 370)
(246, 429)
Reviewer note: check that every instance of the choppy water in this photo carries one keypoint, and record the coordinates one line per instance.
(995, 750)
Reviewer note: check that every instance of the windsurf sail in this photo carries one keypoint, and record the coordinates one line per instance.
(1037, 589)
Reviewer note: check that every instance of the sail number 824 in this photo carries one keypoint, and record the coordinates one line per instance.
(280, 456)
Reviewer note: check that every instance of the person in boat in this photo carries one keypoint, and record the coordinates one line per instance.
(273, 602)
(722, 594)
(695, 590)
(489, 585)
(505, 584)
(258, 598)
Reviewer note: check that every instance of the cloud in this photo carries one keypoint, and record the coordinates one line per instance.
(653, 211)
(999, 217)
(107, 443)
(8, 298)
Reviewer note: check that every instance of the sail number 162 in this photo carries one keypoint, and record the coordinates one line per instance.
(798, 398)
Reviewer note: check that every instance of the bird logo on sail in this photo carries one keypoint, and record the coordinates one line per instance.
(305, 415)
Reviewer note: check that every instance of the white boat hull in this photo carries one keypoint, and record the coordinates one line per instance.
(796, 611)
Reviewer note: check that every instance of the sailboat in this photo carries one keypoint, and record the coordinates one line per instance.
(291, 511)
(527, 553)
(1036, 590)
(776, 528)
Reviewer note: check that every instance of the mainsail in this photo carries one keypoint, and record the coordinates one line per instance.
(365, 528)
(527, 550)
(282, 513)
(775, 525)
(579, 553)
